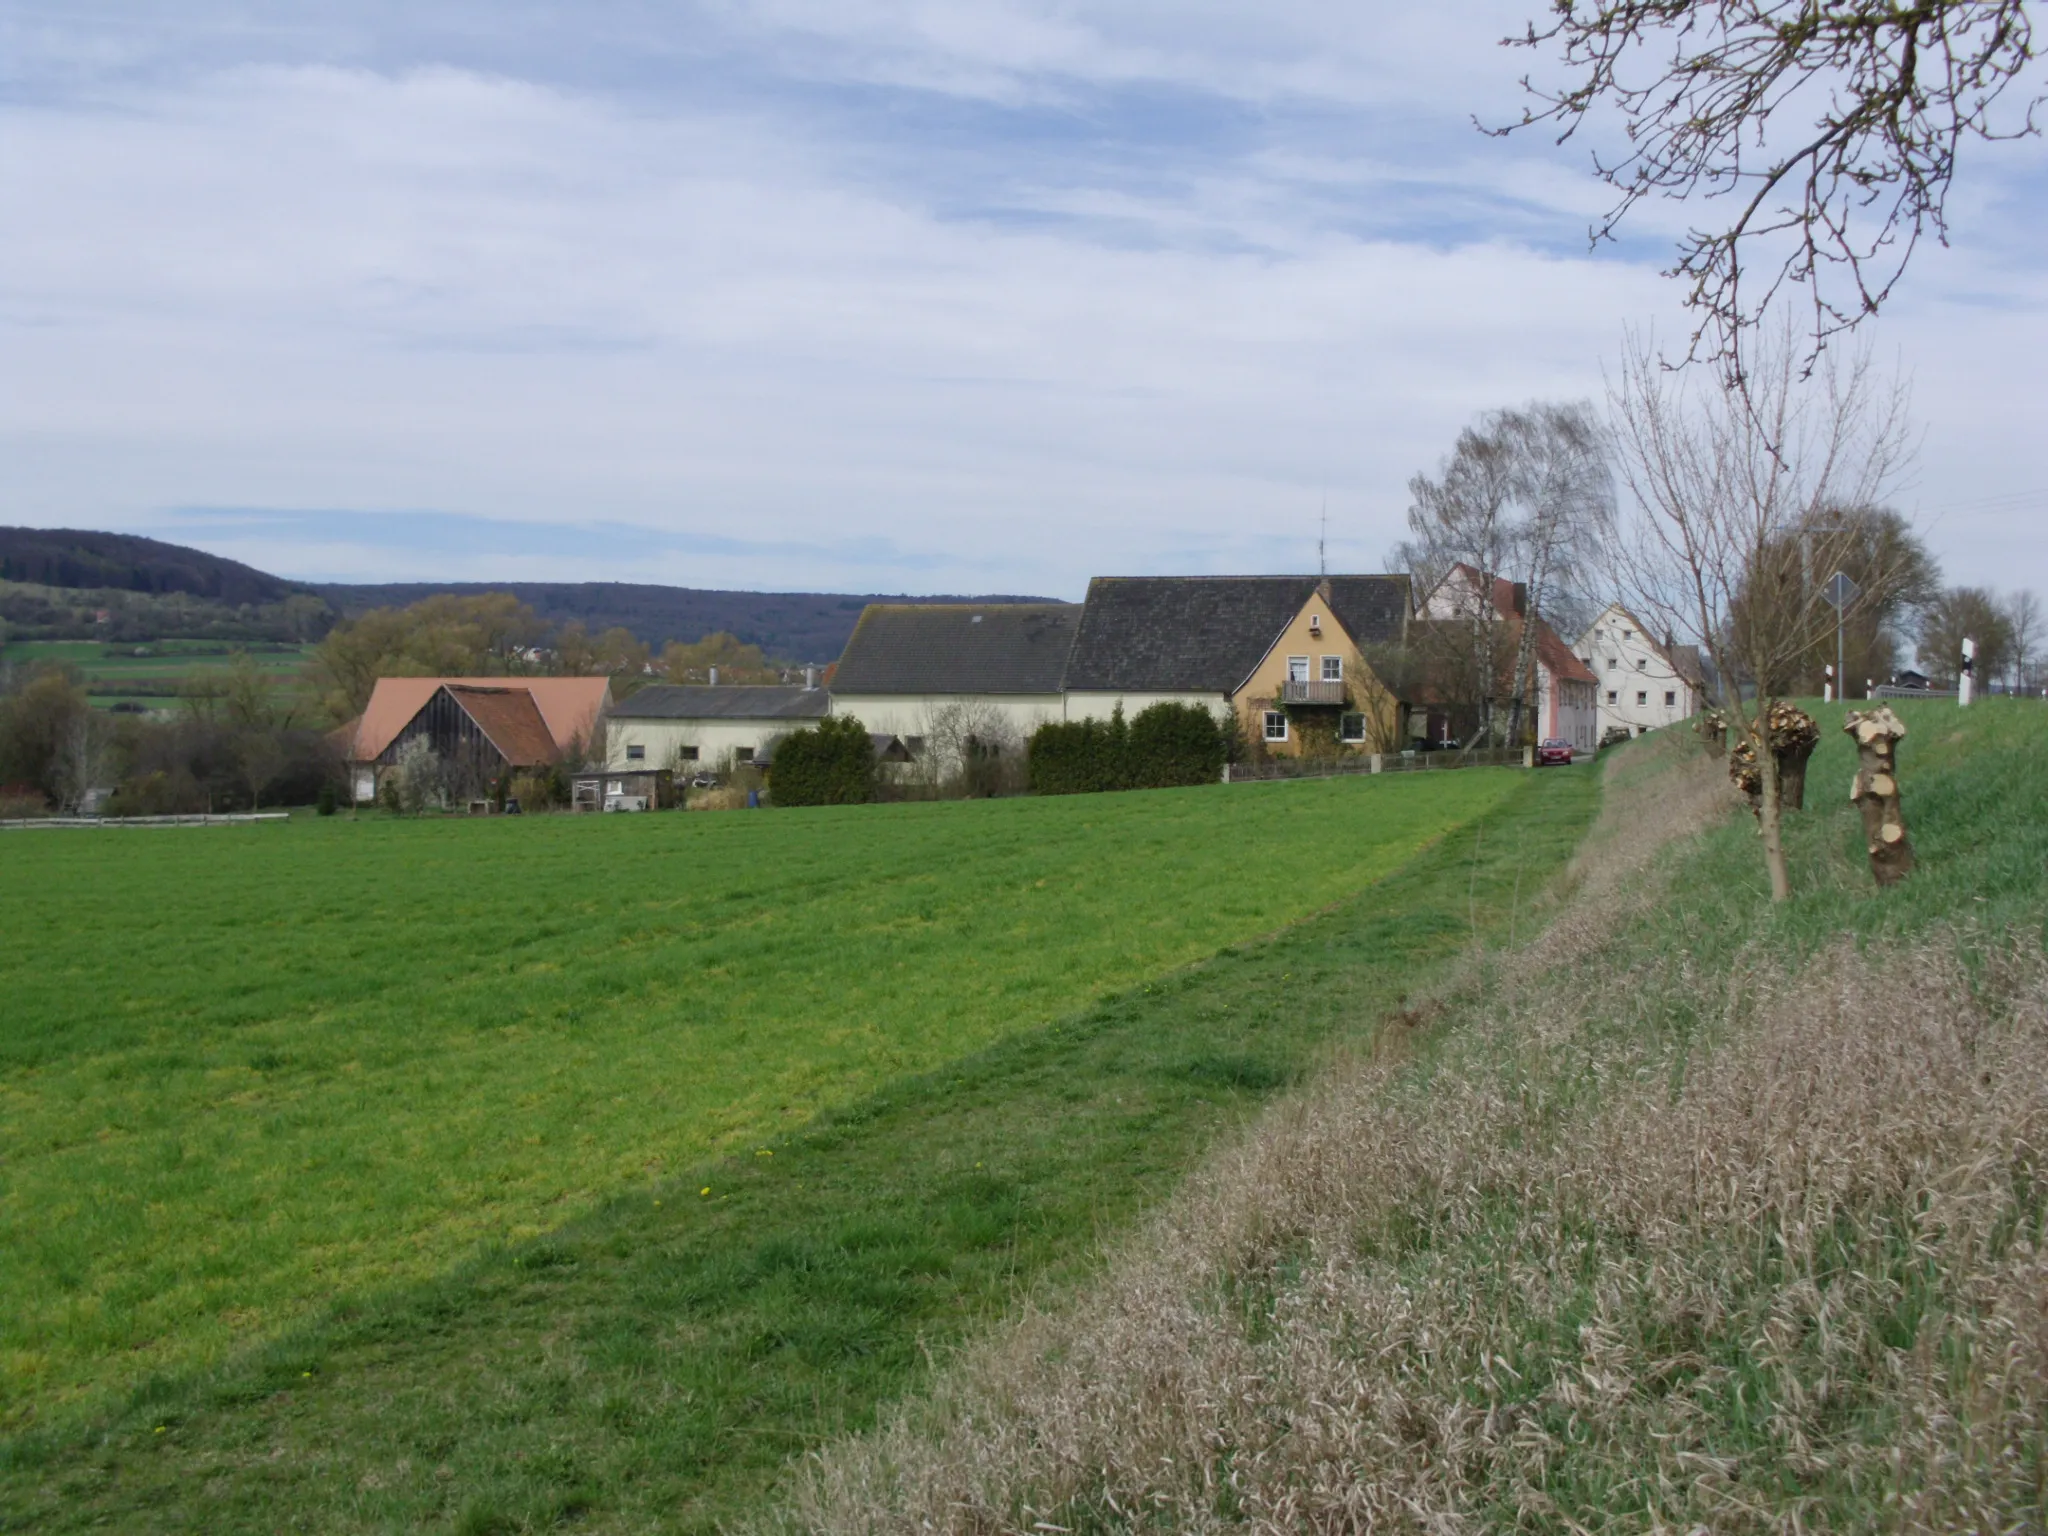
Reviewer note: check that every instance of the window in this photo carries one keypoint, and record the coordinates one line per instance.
(1642, 663)
(687, 754)
(1351, 727)
(1333, 669)
(1670, 698)
(1613, 697)
(1642, 696)
(1276, 725)
(743, 754)
(636, 753)
(1628, 634)
(1297, 669)
(1612, 663)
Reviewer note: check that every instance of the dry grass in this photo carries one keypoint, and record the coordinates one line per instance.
(1563, 1268)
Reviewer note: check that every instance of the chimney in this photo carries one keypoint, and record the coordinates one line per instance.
(714, 677)
(810, 677)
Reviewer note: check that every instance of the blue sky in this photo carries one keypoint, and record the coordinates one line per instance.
(847, 294)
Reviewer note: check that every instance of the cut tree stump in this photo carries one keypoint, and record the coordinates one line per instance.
(1793, 736)
(1876, 792)
(1713, 729)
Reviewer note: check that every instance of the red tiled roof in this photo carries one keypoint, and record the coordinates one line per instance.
(568, 707)
(511, 720)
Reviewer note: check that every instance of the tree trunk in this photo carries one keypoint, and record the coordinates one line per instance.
(1875, 790)
(1771, 824)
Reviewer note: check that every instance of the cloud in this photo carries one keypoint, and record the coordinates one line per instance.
(910, 295)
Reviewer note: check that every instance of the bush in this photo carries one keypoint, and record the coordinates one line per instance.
(832, 763)
(1167, 745)
(173, 792)
(1176, 744)
(324, 803)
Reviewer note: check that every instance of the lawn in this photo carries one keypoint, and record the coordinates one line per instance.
(249, 1070)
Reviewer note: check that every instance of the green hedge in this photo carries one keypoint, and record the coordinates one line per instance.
(832, 763)
(1166, 745)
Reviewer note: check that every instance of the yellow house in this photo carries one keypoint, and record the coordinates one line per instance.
(1285, 655)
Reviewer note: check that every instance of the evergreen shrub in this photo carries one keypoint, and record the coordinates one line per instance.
(1167, 745)
(830, 763)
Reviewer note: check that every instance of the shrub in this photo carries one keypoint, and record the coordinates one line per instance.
(832, 763)
(19, 800)
(1175, 744)
(1167, 745)
(162, 793)
(324, 804)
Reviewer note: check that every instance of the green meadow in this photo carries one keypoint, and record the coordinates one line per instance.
(249, 1070)
(151, 674)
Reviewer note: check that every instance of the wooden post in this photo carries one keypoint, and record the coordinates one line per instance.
(1875, 790)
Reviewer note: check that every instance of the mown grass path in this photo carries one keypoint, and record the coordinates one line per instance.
(653, 1364)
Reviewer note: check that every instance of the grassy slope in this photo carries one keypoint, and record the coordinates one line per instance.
(661, 1357)
(1715, 1214)
(247, 1069)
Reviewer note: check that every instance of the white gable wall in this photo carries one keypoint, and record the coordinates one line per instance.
(1634, 679)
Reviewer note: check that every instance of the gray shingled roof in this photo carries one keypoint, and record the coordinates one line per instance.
(675, 701)
(1206, 633)
(958, 648)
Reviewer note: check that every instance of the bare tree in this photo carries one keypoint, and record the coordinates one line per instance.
(2023, 628)
(970, 747)
(1518, 501)
(1724, 480)
(419, 776)
(1831, 129)
(1958, 614)
(85, 757)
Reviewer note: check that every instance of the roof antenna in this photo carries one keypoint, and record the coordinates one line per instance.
(1323, 539)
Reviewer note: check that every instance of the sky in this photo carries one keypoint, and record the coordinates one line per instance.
(861, 295)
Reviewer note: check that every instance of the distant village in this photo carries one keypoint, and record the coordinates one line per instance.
(1311, 667)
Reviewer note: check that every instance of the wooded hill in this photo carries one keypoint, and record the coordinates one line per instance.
(791, 626)
(55, 582)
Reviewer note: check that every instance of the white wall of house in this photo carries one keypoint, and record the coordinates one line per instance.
(688, 744)
(1100, 706)
(1637, 687)
(912, 714)
(1567, 710)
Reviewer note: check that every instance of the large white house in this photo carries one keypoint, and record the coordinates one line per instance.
(687, 727)
(1641, 683)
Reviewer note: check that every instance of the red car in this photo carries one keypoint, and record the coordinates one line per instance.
(1553, 750)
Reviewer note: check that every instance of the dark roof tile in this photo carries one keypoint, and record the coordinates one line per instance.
(1205, 634)
(678, 701)
(958, 648)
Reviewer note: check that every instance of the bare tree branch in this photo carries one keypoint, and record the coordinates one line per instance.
(1883, 92)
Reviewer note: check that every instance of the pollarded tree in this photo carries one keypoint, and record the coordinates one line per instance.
(1724, 479)
(1830, 128)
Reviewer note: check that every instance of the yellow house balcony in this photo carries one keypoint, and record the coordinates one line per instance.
(1311, 693)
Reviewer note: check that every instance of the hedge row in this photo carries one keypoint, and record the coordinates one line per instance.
(1166, 745)
(832, 763)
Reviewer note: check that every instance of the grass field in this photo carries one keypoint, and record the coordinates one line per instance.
(412, 1100)
(115, 673)
(247, 1069)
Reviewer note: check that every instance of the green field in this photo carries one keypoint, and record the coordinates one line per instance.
(151, 674)
(382, 1167)
(245, 1069)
